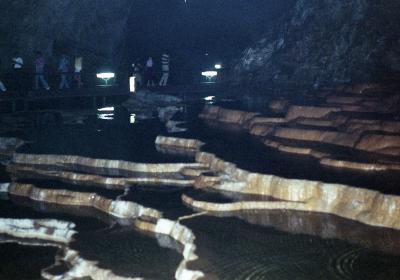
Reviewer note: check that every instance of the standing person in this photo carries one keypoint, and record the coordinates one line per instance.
(2, 87)
(78, 71)
(17, 65)
(39, 71)
(165, 70)
(63, 68)
(150, 72)
(137, 73)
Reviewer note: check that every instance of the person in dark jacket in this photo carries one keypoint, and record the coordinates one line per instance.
(39, 71)
(150, 74)
(63, 68)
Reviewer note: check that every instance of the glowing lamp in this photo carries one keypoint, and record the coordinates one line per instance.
(105, 76)
(209, 74)
(218, 66)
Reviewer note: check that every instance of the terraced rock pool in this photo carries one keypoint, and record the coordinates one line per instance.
(252, 244)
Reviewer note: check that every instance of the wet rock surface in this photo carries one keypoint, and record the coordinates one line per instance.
(358, 132)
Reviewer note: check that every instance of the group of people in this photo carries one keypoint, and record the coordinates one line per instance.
(39, 70)
(148, 75)
(63, 69)
(145, 76)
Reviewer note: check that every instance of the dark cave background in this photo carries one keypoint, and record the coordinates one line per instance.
(271, 41)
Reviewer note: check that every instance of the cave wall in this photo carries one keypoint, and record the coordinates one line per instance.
(326, 42)
(93, 29)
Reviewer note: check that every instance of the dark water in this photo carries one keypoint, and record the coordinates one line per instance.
(234, 249)
(24, 262)
(251, 245)
(128, 253)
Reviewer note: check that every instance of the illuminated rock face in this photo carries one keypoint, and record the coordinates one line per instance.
(120, 209)
(74, 162)
(178, 143)
(369, 207)
(315, 130)
(101, 172)
(365, 206)
(49, 230)
(74, 169)
(145, 219)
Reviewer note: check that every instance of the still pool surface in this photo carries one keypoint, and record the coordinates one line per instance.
(251, 245)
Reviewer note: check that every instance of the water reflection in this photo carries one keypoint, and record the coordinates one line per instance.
(327, 227)
(108, 117)
(234, 249)
(31, 259)
(128, 253)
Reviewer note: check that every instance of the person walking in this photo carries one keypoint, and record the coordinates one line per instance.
(17, 66)
(137, 73)
(2, 87)
(150, 73)
(39, 71)
(63, 68)
(165, 70)
(78, 71)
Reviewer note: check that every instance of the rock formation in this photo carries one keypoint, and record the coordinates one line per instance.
(326, 42)
(365, 206)
(145, 219)
(335, 125)
(209, 173)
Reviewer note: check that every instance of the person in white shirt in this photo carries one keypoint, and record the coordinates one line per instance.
(78, 71)
(17, 65)
(164, 69)
(18, 62)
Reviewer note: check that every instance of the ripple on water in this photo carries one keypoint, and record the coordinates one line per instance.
(128, 253)
(232, 249)
(362, 264)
